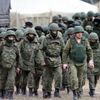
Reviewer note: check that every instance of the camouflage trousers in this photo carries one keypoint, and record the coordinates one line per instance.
(18, 80)
(49, 74)
(7, 79)
(65, 78)
(24, 78)
(93, 78)
(34, 79)
(76, 76)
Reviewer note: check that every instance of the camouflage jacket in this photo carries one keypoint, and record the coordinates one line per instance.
(53, 49)
(68, 49)
(96, 57)
(30, 54)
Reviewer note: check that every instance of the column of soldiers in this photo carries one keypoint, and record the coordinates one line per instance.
(66, 51)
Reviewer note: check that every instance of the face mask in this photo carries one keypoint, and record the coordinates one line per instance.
(54, 34)
(94, 45)
(90, 19)
(30, 37)
(10, 39)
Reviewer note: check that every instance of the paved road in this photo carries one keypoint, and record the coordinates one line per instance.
(63, 94)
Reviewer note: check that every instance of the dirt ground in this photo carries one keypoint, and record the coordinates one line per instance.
(64, 95)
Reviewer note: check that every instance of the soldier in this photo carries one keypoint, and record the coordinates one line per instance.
(96, 24)
(30, 55)
(55, 19)
(89, 29)
(66, 72)
(19, 39)
(35, 79)
(52, 47)
(94, 73)
(68, 33)
(65, 20)
(9, 59)
(77, 49)
(82, 16)
(89, 19)
(77, 20)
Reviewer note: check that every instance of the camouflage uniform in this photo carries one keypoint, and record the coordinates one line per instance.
(66, 72)
(9, 59)
(89, 19)
(93, 74)
(76, 63)
(52, 48)
(30, 55)
(96, 24)
(19, 39)
(35, 79)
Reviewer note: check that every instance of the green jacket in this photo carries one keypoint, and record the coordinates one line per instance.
(68, 49)
(30, 54)
(53, 49)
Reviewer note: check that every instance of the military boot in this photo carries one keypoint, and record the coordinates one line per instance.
(10, 95)
(35, 92)
(46, 94)
(17, 90)
(30, 92)
(68, 90)
(80, 93)
(92, 92)
(56, 93)
(24, 91)
(6, 94)
(75, 96)
(1, 94)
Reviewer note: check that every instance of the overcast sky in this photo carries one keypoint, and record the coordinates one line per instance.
(39, 6)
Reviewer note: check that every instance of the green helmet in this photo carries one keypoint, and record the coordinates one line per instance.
(78, 29)
(86, 34)
(64, 18)
(93, 36)
(10, 33)
(90, 14)
(69, 31)
(82, 15)
(55, 18)
(54, 27)
(89, 27)
(19, 34)
(97, 14)
(76, 15)
(30, 30)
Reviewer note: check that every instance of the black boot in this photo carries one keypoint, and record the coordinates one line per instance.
(92, 92)
(80, 93)
(68, 90)
(1, 94)
(10, 95)
(30, 92)
(35, 92)
(56, 93)
(24, 91)
(17, 90)
(75, 96)
(6, 94)
(46, 94)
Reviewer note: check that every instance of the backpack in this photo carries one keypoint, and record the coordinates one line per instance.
(78, 51)
(8, 57)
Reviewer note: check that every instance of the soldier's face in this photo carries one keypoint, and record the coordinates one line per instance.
(11, 38)
(54, 33)
(79, 35)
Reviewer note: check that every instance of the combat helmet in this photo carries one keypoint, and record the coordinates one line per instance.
(78, 29)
